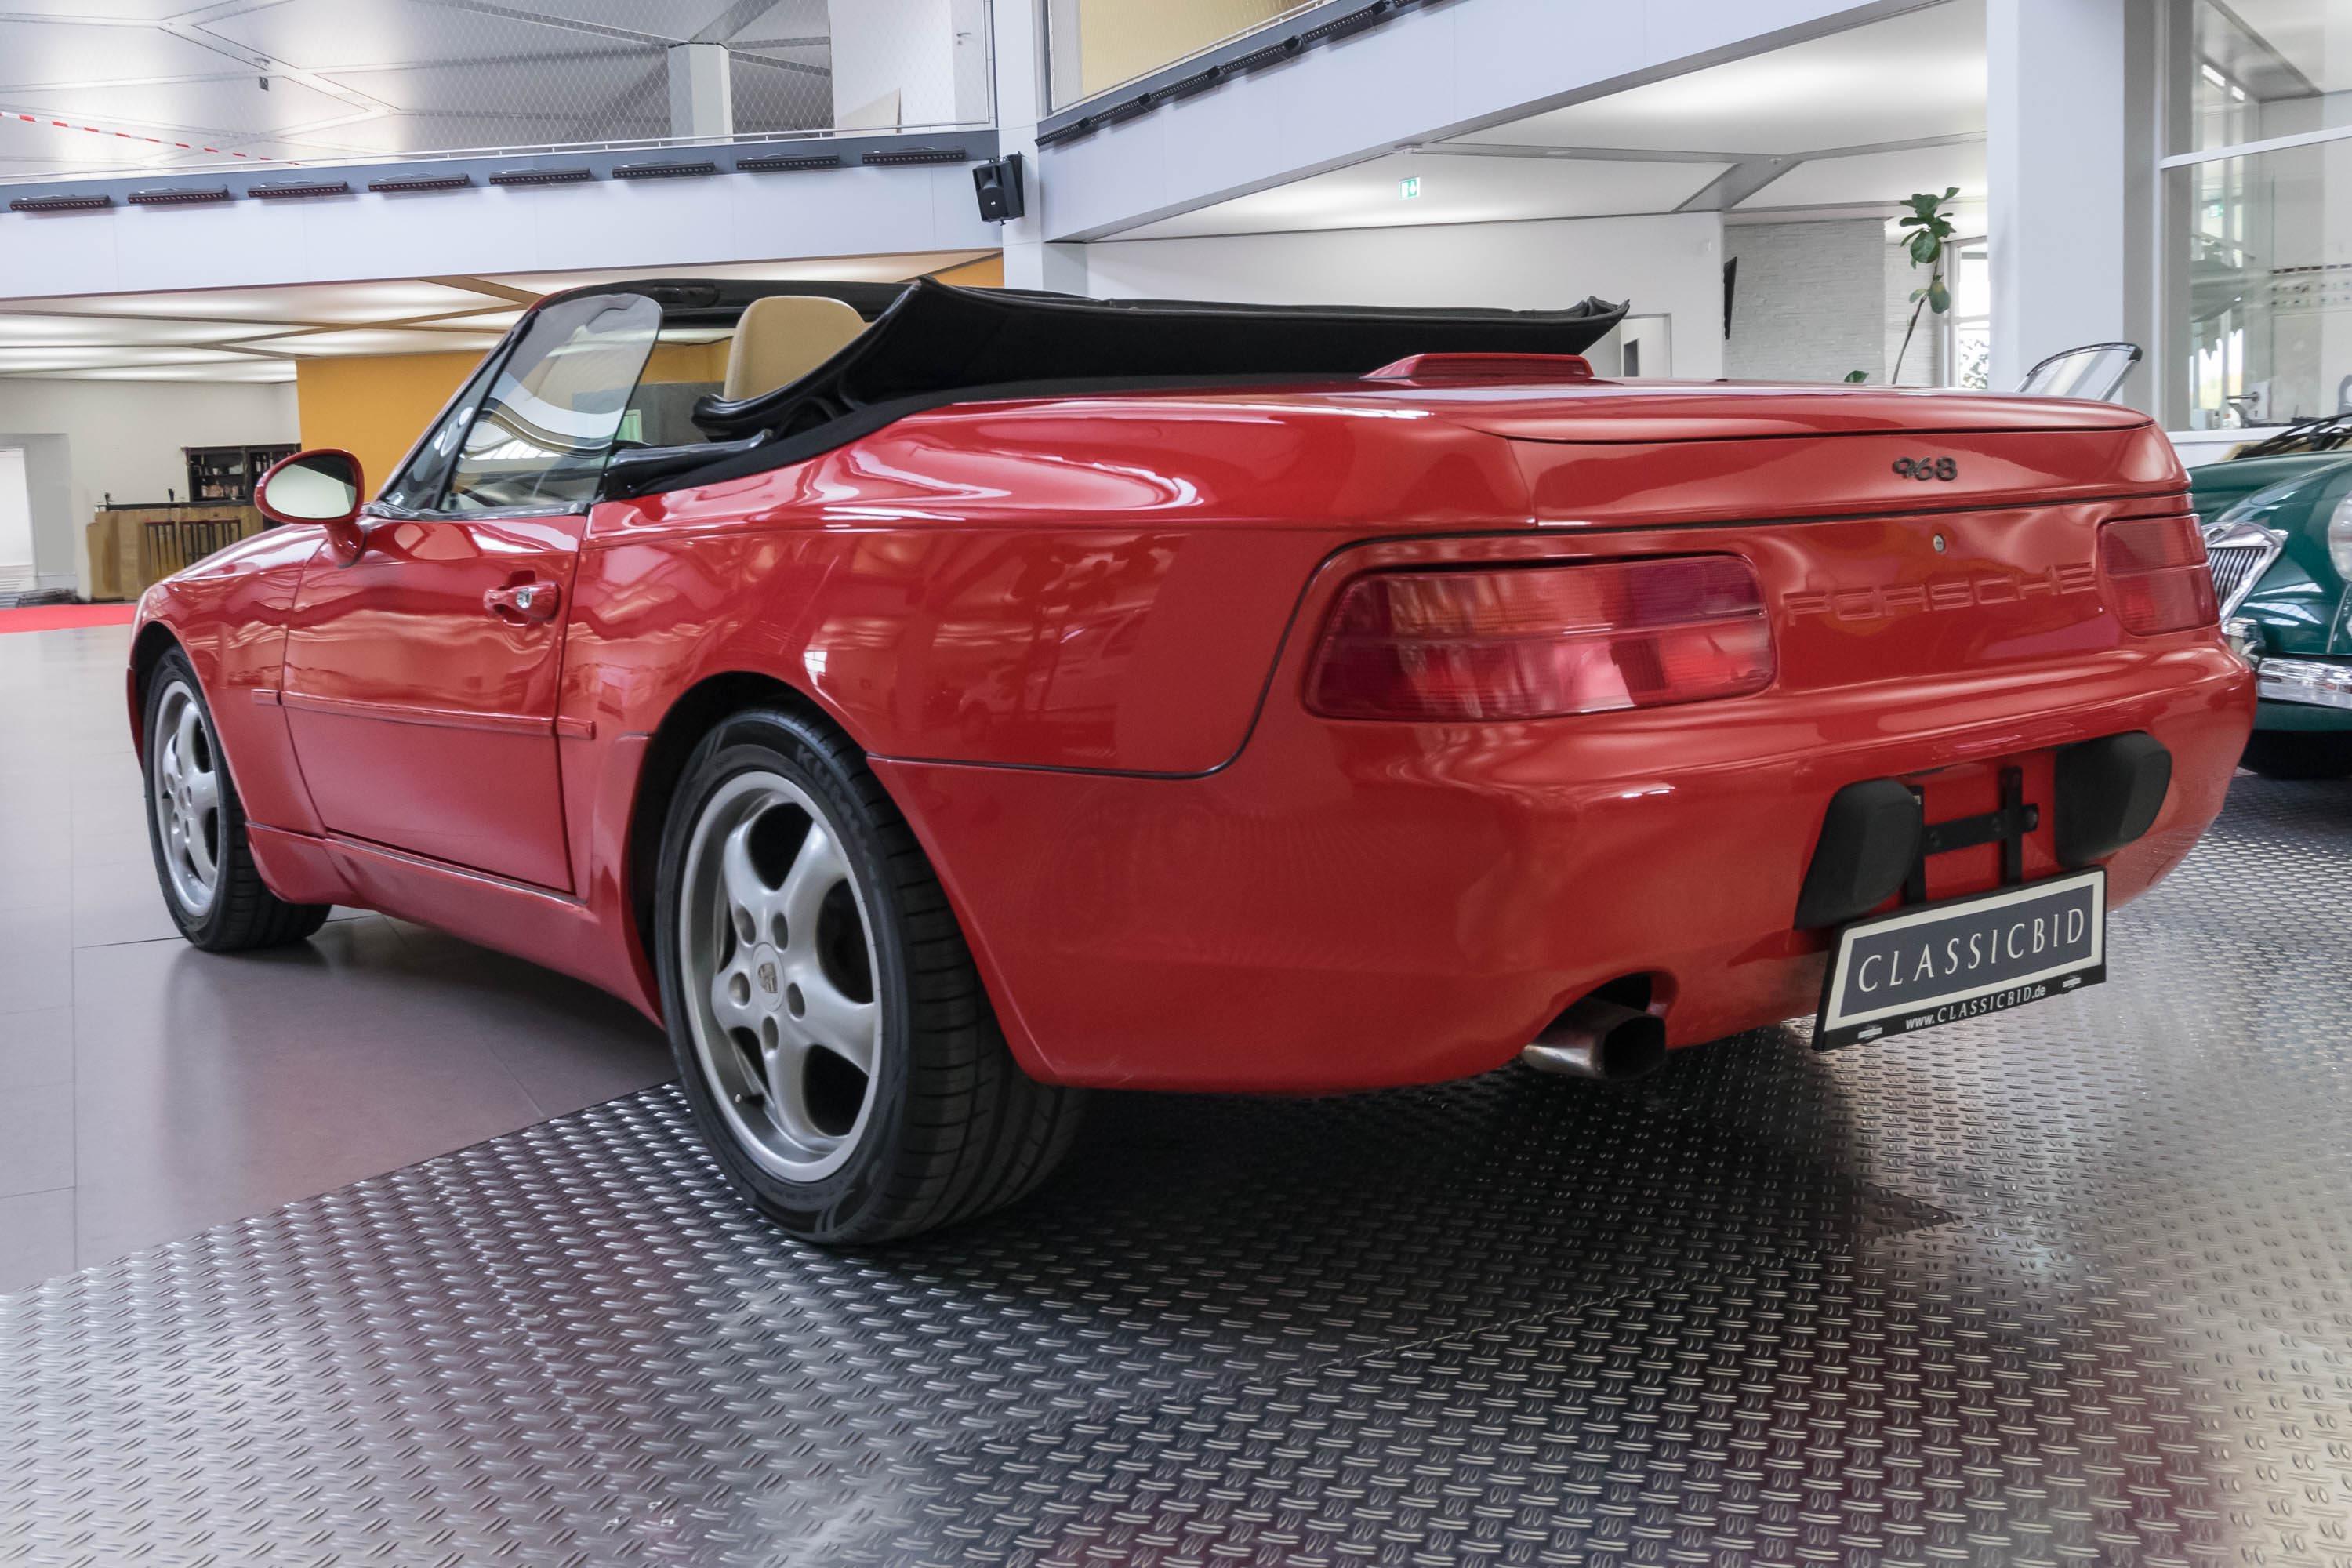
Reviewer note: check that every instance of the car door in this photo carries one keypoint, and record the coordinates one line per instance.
(421, 677)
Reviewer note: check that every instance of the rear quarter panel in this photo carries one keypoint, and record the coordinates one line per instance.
(1035, 587)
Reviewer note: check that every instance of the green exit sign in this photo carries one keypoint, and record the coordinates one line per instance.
(1409, 188)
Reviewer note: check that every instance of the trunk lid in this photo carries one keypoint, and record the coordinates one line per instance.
(1896, 534)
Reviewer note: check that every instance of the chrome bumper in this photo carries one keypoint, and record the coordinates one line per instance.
(2305, 680)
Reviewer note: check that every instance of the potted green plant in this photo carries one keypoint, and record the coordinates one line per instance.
(1931, 232)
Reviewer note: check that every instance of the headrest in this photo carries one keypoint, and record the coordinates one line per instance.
(782, 338)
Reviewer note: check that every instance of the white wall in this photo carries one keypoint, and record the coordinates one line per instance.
(933, 54)
(2064, 156)
(1671, 266)
(1811, 300)
(124, 437)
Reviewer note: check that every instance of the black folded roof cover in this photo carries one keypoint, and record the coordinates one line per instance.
(938, 339)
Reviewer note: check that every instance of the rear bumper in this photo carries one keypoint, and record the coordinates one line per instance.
(1359, 905)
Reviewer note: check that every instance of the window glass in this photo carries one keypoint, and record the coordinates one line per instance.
(2269, 290)
(2265, 69)
(1968, 351)
(418, 485)
(553, 415)
(688, 365)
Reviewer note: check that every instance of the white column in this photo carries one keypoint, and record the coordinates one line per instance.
(702, 91)
(1020, 54)
(2070, 154)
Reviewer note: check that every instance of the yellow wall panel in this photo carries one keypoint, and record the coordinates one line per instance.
(988, 272)
(376, 406)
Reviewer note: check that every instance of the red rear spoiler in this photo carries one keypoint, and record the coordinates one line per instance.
(1487, 367)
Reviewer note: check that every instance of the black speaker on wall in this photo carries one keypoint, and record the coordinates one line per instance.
(999, 187)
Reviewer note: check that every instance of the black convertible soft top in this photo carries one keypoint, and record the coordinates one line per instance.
(938, 339)
(933, 343)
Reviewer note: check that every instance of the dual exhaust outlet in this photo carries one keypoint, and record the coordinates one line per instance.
(1602, 1041)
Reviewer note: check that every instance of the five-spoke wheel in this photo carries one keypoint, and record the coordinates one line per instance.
(196, 825)
(780, 966)
(831, 1030)
(184, 793)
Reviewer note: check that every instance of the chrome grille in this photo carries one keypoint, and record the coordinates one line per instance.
(2234, 568)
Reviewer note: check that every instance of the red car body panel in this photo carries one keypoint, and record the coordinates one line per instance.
(1072, 635)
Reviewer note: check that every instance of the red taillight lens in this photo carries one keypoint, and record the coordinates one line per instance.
(1535, 642)
(2156, 576)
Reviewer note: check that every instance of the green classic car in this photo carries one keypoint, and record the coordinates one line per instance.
(2278, 527)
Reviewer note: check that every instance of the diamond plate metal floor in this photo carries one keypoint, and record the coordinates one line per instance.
(2069, 1285)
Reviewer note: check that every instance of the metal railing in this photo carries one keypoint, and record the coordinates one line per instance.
(464, 80)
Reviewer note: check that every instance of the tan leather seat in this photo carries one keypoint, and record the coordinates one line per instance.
(782, 338)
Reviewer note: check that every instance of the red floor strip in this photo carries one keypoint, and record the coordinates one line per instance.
(61, 617)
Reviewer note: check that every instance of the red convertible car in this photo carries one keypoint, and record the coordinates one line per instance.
(930, 703)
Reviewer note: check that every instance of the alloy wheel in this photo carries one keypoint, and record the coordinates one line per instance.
(185, 796)
(777, 955)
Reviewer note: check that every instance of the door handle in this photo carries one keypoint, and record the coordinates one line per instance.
(523, 601)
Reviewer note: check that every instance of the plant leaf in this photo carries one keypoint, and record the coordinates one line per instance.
(1925, 248)
(1855, 377)
(1939, 299)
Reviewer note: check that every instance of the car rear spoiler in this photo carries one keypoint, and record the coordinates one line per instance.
(938, 339)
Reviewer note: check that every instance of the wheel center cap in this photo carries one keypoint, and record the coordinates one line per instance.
(764, 966)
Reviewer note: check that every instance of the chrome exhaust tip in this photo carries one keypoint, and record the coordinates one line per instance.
(1602, 1040)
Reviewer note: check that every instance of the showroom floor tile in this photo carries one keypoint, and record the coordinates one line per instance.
(148, 1090)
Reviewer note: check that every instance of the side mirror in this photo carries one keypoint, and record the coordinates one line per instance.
(321, 487)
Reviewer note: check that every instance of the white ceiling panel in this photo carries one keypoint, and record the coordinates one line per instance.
(596, 93)
(377, 77)
(376, 340)
(19, 329)
(1875, 178)
(213, 111)
(117, 10)
(251, 370)
(52, 149)
(326, 303)
(67, 356)
(1452, 189)
(784, 19)
(42, 54)
(324, 35)
(1912, 77)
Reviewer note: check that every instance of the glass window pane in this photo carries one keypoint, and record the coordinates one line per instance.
(686, 367)
(418, 485)
(2264, 68)
(1098, 44)
(554, 415)
(2268, 256)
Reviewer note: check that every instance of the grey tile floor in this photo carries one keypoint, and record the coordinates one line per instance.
(148, 1091)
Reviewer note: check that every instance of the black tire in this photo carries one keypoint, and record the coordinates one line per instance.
(2299, 754)
(952, 1128)
(242, 914)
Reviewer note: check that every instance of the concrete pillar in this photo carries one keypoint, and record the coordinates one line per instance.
(1020, 57)
(2070, 147)
(702, 91)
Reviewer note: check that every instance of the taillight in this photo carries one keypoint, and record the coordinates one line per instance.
(1535, 642)
(2156, 576)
